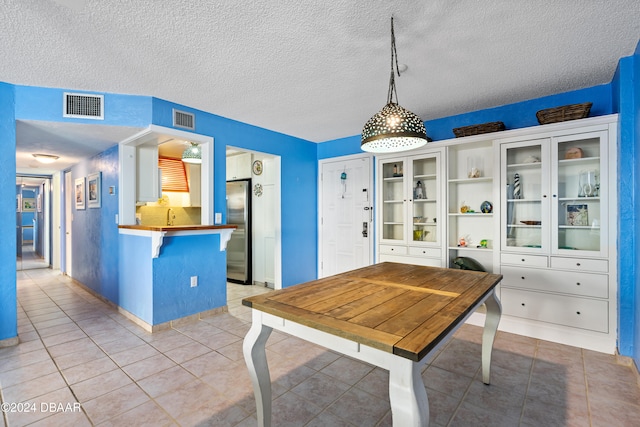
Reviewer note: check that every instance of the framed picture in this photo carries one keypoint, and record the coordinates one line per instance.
(93, 185)
(80, 194)
(28, 204)
(577, 215)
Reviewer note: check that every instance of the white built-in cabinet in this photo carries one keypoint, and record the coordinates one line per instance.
(239, 166)
(410, 208)
(537, 205)
(557, 251)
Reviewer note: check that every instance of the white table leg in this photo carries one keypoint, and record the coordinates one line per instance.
(407, 395)
(253, 348)
(494, 310)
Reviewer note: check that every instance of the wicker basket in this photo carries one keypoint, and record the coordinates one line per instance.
(564, 113)
(478, 129)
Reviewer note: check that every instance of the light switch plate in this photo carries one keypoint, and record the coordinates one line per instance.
(218, 218)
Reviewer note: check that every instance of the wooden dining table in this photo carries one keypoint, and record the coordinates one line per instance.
(394, 316)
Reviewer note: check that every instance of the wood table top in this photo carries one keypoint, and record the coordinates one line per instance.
(399, 308)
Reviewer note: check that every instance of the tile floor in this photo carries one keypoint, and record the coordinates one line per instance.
(81, 363)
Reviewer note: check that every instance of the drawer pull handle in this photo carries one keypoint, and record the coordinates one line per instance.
(523, 304)
(578, 264)
(577, 312)
(522, 277)
(522, 259)
(578, 283)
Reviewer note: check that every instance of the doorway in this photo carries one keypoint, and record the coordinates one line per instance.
(346, 214)
(262, 172)
(33, 222)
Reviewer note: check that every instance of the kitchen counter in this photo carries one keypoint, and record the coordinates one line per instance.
(158, 233)
(176, 227)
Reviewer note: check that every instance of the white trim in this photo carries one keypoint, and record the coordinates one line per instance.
(127, 176)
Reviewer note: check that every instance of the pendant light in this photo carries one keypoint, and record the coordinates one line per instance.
(393, 128)
(192, 154)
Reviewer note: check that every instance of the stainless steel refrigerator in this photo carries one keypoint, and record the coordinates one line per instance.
(239, 247)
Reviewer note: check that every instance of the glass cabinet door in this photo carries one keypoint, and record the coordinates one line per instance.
(393, 200)
(578, 199)
(525, 202)
(425, 193)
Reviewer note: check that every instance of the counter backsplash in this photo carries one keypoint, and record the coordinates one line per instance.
(156, 215)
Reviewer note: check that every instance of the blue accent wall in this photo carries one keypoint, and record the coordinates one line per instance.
(173, 296)
(158, 290)
(635, 284)
(38, 103)
(135, 291)
(94, 230)
(299, 182)
(8, 306)
(514, 116)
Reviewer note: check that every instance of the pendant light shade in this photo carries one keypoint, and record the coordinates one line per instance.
(393, 128)
(193, 154)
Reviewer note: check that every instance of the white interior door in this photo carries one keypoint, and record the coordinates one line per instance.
(68, 214)
(346, 220)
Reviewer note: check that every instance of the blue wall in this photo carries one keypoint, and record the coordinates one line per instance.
(8, 311)
(38, 103)
(95, 231)
(635, 82)
(514, 116)
(135, 291)
(173, 296)
(299, 182)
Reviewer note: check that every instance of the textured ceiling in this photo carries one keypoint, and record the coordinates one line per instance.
(317, 70)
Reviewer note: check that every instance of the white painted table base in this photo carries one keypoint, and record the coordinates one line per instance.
(407, 393)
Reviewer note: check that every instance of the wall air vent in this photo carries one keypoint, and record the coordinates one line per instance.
(83, 106)
(184, 120)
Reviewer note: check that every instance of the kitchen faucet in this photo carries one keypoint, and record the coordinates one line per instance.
(171, 217)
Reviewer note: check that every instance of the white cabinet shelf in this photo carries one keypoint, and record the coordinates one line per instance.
(410, 196)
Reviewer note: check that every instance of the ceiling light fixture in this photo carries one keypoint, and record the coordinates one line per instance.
(45, 158)
(393, 128)
(192, 154)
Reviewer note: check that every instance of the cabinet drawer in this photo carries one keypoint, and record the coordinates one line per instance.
(562, 310)
(393, 249)
(565, 282)
(580, 264)
(403, 259)
(524, 260)
(426, 252)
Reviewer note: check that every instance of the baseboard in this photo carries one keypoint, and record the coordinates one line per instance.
(147, 326)
(9, 342)
(548, 332)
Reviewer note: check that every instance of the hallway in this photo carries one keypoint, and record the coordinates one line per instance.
(98, 368)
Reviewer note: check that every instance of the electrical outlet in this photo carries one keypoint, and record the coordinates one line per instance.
(218, 218)
(194, 281)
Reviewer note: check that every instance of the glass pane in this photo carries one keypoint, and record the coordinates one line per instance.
(393, 216)
(524, 197)
(579, 204)
(425, 203)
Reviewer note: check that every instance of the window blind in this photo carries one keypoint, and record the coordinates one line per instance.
(174, 175)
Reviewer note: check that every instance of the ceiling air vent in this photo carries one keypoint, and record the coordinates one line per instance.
(83, 106)
(184, 120)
